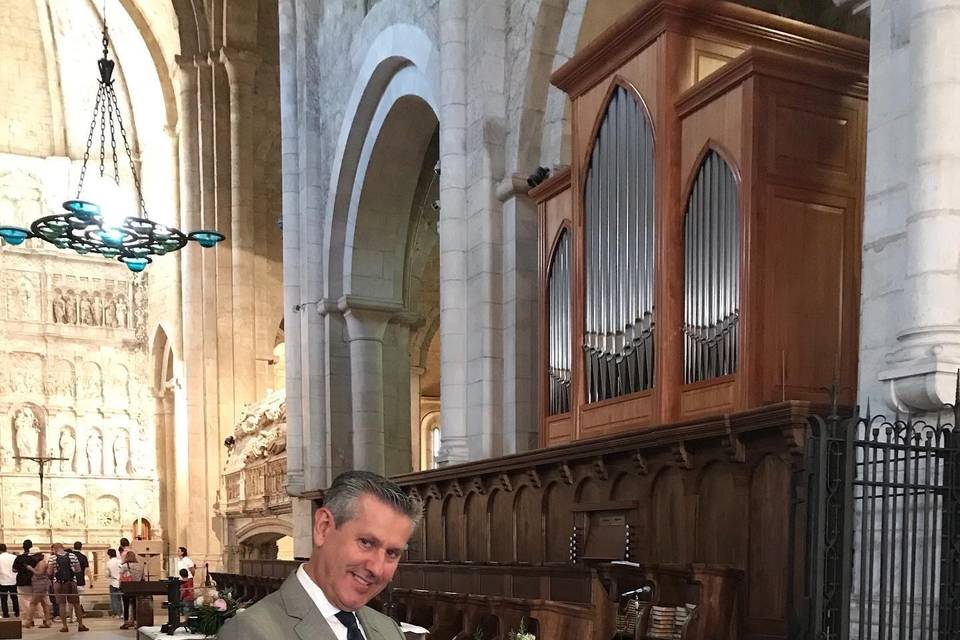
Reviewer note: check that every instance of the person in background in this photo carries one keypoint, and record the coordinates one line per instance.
(8, 582)
(40, 587)
(64, 569)
(122, 549)
(186, 590)
(130, 570)
(21, 566)
(113, 580)
(184, 561)
(85, 577)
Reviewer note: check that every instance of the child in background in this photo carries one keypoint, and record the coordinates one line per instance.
(186, 590)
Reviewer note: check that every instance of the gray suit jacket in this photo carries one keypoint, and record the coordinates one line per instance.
(290, 613)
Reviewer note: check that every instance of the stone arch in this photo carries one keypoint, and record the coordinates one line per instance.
(264, 526)
(401, 61)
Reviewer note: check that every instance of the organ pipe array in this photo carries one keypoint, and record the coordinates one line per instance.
(619, 253)
(711, 273)
(559, 326)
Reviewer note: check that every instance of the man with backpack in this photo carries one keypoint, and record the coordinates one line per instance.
(64, 568)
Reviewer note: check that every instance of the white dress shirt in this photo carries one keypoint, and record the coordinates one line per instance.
(327, 610)
(113, 572)
(185, 563)
(7, 574)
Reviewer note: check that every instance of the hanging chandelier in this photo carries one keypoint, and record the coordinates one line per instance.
(101, 229)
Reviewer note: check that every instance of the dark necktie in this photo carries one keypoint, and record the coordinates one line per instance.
(349, 620)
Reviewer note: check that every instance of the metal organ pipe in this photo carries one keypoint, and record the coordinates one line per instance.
(618, 344)
(558, 327)
(711, 273)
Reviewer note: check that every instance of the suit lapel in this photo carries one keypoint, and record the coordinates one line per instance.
(311, 625)
(371, 629)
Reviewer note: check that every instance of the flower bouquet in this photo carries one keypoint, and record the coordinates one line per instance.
(521, 634)
(211, 610)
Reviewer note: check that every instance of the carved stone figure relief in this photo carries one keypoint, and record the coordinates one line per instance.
(95, 453)
(61, 380)
(97, 309)
(70, 301)
(109, 312)
(23, 297)
(28, 510)
(59, 307)
(6, 458)
(24, 374)
(118, 385)
(68, 450)
(26, 427)
(108, 511)
(143, 453)
(91, 384)
(120, 311)
(121, 453)
(86, 310)
(70, 512)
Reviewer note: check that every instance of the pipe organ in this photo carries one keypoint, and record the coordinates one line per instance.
(618, 340)
(700, 255)
(711, 272)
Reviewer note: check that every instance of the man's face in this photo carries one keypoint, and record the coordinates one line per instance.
(353, 563)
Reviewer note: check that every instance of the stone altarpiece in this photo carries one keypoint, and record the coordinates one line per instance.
(72, 385)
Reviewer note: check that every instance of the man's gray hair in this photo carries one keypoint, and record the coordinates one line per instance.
(347, 488)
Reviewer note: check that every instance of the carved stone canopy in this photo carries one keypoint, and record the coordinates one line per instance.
(261, 432)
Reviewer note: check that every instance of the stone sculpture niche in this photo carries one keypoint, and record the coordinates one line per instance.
(27, 432)
(68, 450)
(70, 511)
(121, 453)
(95, 453)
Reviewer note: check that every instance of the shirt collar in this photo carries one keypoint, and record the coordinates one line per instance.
(316, 594)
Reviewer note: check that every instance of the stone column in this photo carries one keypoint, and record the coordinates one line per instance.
(453, 230)
(416, 446)
(190, 480)
(925, 363)
(366, 325)
(241, 69)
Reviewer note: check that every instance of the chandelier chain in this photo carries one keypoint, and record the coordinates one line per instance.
(103, 135)
(86, 151)
(113, 148)
(126, 145)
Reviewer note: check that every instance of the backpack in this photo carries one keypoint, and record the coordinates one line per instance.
(64, 568)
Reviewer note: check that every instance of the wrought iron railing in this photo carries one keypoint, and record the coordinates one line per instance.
(884, 527)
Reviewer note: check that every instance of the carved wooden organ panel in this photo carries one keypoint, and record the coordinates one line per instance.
(701, 254)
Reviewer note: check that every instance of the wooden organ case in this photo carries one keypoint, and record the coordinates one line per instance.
(701, 254)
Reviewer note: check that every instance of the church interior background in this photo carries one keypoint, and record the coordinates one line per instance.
(382, 299)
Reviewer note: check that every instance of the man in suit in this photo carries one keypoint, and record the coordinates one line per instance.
(359, 534)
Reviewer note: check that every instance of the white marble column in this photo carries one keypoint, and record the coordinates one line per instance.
(925, 362)
(453, 230)
(366, 325)
(241, 67)
(191, 480)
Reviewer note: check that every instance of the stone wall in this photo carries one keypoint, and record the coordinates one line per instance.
(74, 335)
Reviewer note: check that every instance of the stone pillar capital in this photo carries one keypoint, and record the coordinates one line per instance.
(367, 318)
(241, 65)
(923, 372)
(417, 370)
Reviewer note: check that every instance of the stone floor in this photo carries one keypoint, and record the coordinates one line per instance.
(100, 629)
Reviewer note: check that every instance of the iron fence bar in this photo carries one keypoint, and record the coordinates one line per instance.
(926, 544)
(933, 571)
(849, 434)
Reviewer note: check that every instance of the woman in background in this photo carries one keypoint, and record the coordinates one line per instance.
(131, 570)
